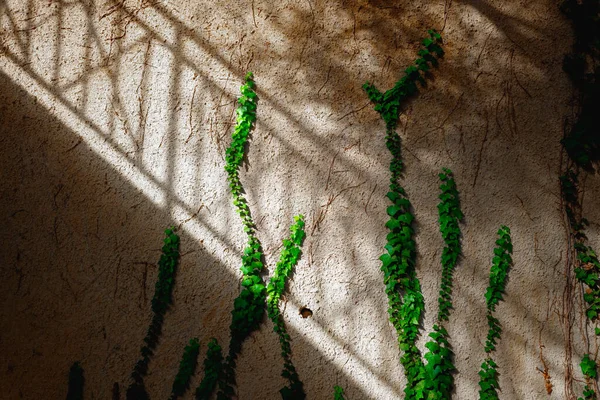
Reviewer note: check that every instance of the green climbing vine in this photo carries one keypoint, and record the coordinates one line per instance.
(287, 261)
(587, 266)
(439, 367)
(433, 380)
(249, 306)
(501, 263)
(213, 365)
(582, 145)
(338, 393)
(402, 287)
(167, 266)
(388, 104)
(187, 367)
(76, 381)
(590, 372)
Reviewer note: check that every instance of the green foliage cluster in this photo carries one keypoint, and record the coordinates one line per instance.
(388, 104)
(582, 144)
(590, 371)
(163, 289)
(583, 67)
(449, 217)
(249, 306)
(187, 367)
(402, 287)
(287, 261)
(588, 274)
(439, 367)
(338, 393)
(587, 269)
(587, 266)
(76, 381)
(213, 364)
(501, 263)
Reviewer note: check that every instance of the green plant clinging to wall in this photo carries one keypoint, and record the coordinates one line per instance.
(76, 381)
(587, 265)
(590, 371)
(582, 145)
(213, 365)
(167, 266)
(187, 366)
(287, 261)
(338, 393)
(439, 367)
(388, 104)
(249, 306)
(398, 263)
(501, 263)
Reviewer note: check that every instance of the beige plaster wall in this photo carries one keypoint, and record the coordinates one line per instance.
(114, 119)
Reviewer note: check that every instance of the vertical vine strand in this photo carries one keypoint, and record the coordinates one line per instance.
(587, 265)
(287, 261)
(439, 366)
(402, 287)
(249, 306)
(590, 372)
(501, 263)
(167, 266)
(338, 393)
(582, 145)
(213, 366)
(187, 367)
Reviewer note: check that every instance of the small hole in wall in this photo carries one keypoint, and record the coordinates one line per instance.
(305, 312)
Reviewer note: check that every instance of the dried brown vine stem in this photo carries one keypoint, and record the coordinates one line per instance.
(369, 199)
(440, 126)
(194, 215)
(479, 158)
(566, 313)
(326, 80)
(447, 5)
(141, 131)
(253, 15)
(545, 372)
(330, 168)
(325, 207)
(353, 111)
(546, 376)
(191, 112)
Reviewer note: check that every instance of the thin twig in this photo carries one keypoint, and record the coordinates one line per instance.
(353, 111)
(191, 114)
(330, 168)
(441, 124)
(487, 124)
(369, 199)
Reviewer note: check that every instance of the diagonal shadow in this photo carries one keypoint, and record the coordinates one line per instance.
(70, 233)
(63, 200)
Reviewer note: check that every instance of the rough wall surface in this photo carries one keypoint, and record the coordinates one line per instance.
(114, 119)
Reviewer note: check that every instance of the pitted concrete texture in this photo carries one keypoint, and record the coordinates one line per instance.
(115, 117)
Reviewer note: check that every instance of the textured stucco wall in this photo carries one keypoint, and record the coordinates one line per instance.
(114, 118)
